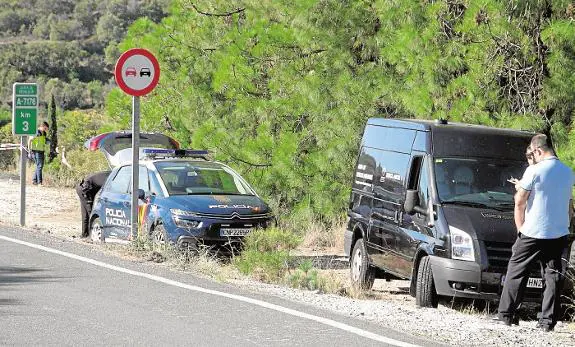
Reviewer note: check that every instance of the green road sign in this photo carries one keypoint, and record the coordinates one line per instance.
(24, 108)
(26, 101)
(25, 121)
(26, 89)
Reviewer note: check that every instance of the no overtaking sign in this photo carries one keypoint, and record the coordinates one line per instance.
(137, 72)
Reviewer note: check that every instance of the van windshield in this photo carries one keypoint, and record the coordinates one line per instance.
(477, 181)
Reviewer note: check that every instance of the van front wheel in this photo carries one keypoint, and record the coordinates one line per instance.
(425, 295)
(362, 273)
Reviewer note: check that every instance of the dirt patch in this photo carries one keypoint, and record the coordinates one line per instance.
(50, 209)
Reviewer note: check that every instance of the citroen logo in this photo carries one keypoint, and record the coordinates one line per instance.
(235, 215)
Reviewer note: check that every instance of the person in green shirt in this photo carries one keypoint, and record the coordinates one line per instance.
(37, 145)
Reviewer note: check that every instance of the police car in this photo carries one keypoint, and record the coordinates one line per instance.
(184, 198)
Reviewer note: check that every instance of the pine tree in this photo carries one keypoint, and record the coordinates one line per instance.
(53, 131)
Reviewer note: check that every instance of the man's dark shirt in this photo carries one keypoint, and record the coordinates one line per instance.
(92, 184)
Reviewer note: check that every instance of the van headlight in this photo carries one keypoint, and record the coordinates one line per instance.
(461, 245)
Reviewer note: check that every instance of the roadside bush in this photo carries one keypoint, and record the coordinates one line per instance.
(82, 163)
(304, 277)
(8, 158)
(266, 254)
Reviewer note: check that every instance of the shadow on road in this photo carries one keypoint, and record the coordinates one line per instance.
(11, 275)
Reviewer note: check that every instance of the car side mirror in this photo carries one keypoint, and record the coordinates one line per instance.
(411, 204)
(141, 194)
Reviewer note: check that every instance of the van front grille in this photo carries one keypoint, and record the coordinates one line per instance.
(498, 255)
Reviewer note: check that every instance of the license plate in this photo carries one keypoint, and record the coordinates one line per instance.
(234, 231)
(534, 282)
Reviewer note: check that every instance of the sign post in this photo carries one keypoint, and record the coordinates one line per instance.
(137, 73)
(24, 119)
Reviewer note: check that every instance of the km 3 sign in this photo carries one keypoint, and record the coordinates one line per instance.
(24, 108)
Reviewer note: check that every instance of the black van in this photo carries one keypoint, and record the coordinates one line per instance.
(431, 202)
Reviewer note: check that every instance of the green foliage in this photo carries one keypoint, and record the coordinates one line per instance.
(266, 254)
(282, 90)
(7, 158)
(53, 130)
(83, 162)
(304, 277)
(63, 45)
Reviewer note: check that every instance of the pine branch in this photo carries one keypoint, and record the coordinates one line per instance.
(227, 14)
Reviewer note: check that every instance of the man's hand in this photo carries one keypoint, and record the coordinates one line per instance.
(521, 198)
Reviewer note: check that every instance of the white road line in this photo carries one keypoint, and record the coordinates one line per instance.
(322, 320)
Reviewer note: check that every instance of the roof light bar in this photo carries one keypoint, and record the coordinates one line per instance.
(160, 152)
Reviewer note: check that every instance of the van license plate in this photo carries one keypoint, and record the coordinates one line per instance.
(534, 282)
(234, 231)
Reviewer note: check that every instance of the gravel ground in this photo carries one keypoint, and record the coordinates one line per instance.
(48, 209)
(56, 211)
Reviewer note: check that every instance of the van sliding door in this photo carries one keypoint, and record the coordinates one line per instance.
(388, 198)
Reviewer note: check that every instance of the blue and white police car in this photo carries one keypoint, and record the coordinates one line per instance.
(184, 198)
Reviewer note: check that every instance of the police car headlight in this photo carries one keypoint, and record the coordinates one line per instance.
(183, 213)
(461, 245)
(187, 223)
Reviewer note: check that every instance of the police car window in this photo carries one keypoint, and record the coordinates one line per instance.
(155, 188)
(121, 182)
(143, 182)
(181, 178)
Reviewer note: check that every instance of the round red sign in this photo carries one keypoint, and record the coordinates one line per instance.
(137, 72)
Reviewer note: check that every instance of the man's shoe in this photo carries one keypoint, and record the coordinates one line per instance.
(544, 327)
(502, 321)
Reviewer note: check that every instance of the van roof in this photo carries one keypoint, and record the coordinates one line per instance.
(432, 125)
(463, 140)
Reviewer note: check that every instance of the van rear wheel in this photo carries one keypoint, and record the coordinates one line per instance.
(362, 273)
(425, 294)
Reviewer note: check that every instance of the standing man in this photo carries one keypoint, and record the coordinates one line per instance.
(87, 190)
(37, 145)
(542, 215)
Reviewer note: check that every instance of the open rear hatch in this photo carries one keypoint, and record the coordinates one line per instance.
(113, 143)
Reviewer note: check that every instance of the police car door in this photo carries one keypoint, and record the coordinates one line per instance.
(116, 221)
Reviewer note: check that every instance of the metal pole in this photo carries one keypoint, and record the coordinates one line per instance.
(23, 156)
(135, 162)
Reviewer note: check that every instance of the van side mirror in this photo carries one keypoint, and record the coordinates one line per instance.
(141, 194)
(411, 204)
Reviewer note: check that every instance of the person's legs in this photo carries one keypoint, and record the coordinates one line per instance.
(40, 166)
(85, 209)
(35, 175)
(524, 252)
(551, 259)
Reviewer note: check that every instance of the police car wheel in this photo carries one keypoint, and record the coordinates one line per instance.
(159, 234)
(362, 273)
(96, 230)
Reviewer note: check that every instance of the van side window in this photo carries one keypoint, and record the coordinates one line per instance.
(423, 185)
(418, 179)
(414, 172)
(389, 184)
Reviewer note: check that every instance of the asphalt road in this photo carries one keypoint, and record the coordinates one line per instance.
(52, 299)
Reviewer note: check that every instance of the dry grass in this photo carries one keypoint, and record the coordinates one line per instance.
(318, 237)
(202, 261)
